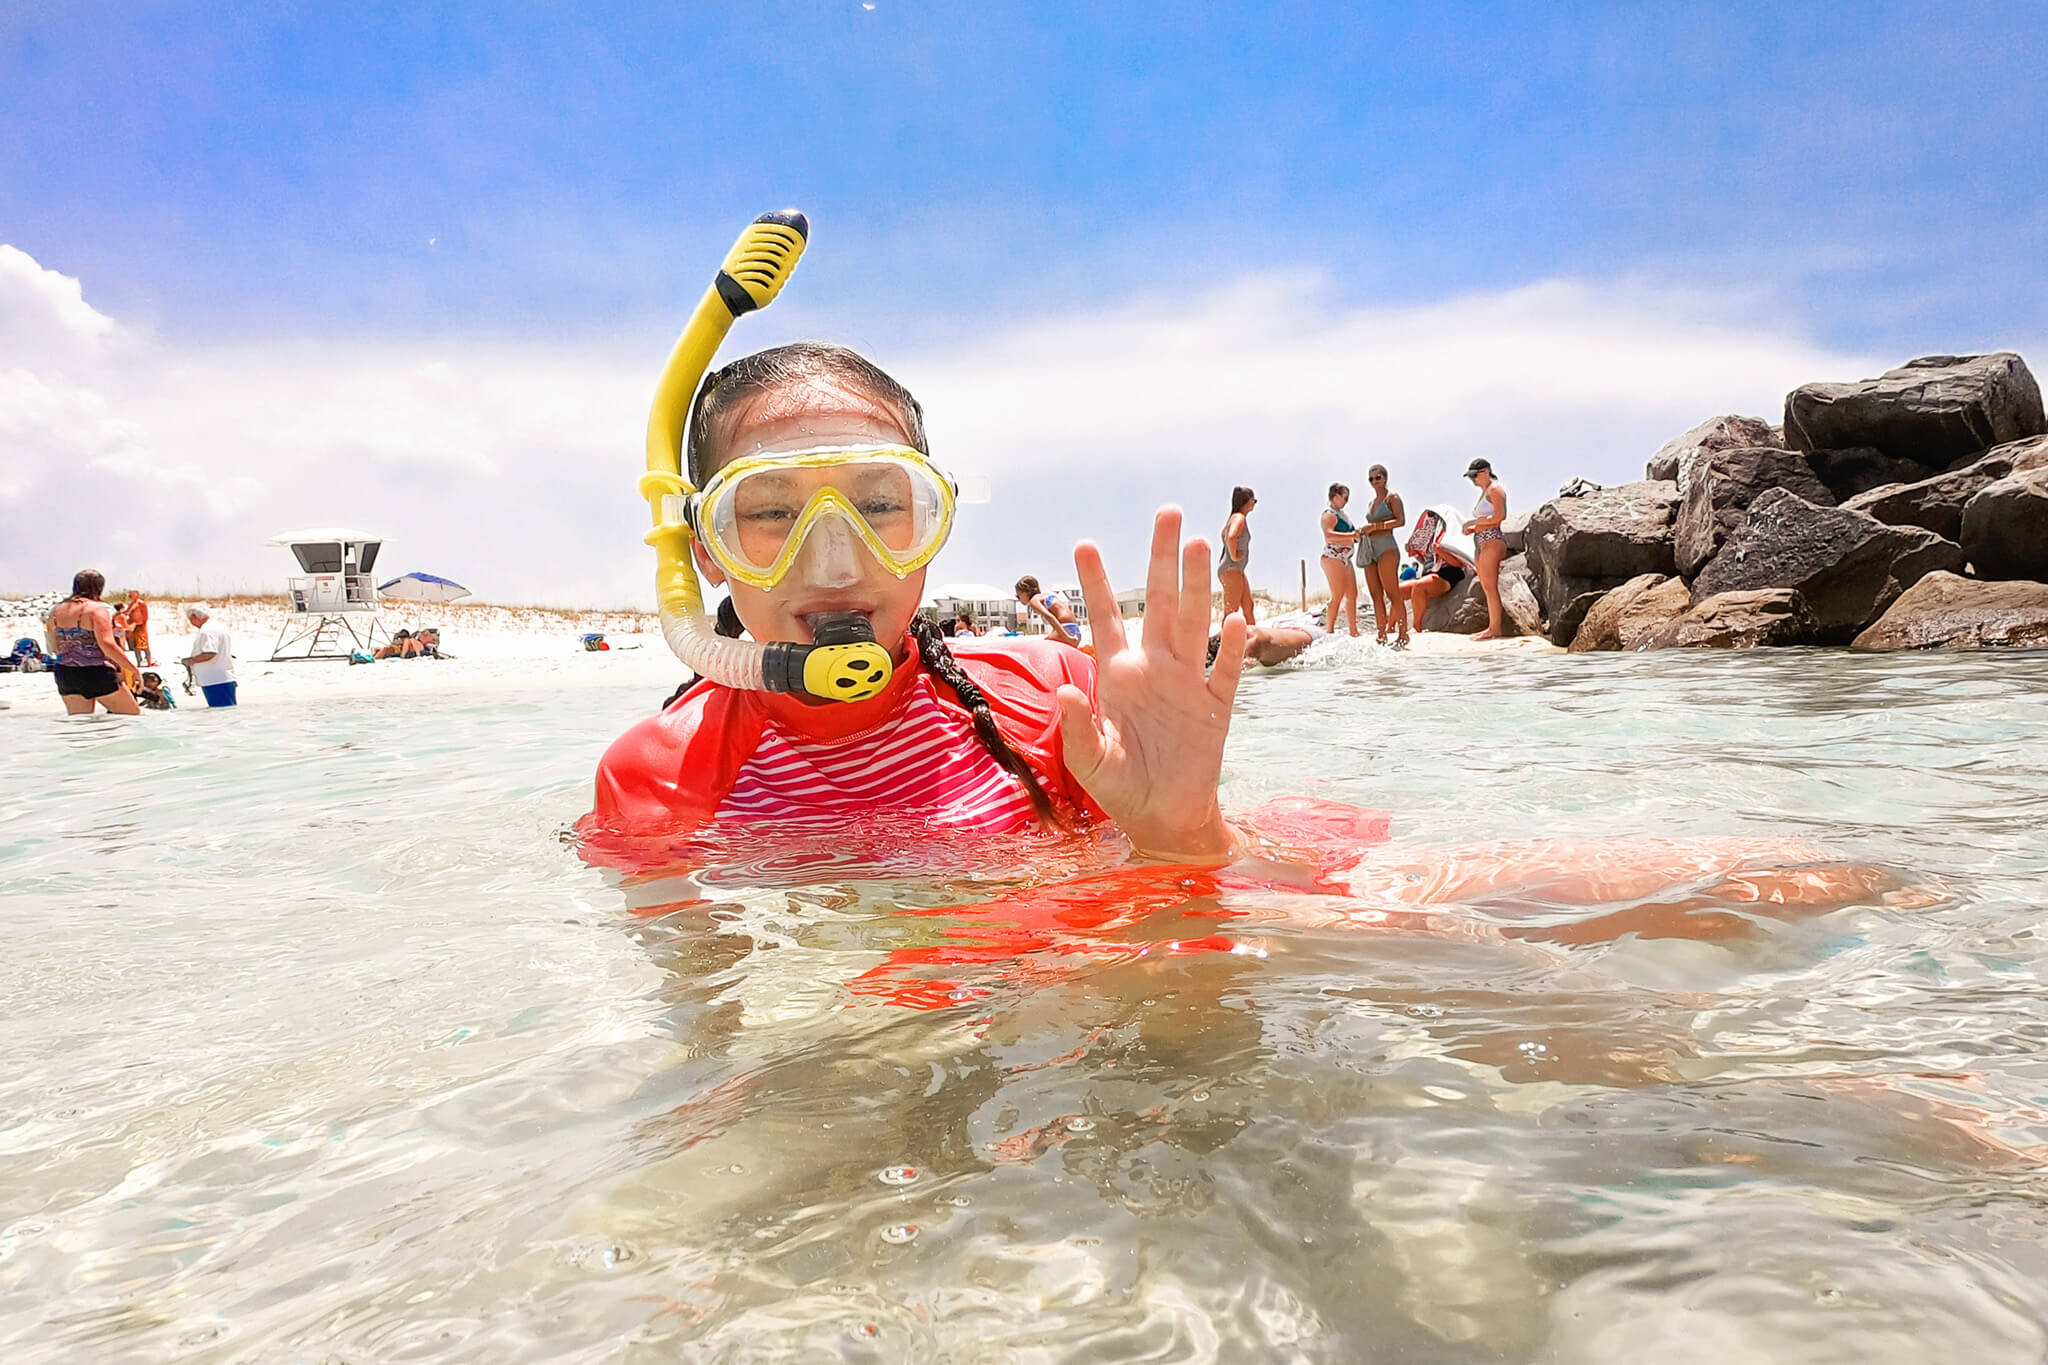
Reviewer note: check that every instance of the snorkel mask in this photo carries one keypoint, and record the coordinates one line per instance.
(767, 515)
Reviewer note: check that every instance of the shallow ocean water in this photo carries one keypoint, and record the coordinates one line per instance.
(324, 1043)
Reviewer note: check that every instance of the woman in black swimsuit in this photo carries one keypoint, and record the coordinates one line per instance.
(91, 667)
(1439, 569)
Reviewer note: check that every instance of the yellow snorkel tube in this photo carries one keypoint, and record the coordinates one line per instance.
(844, 663)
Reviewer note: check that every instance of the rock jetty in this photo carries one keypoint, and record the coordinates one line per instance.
(1909, 511)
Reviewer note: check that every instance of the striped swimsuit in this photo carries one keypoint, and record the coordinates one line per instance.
(923, 760)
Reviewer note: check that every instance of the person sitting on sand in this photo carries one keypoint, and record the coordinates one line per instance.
(400, 646)
(1439, 568)
(1051, 608)
(426, 644)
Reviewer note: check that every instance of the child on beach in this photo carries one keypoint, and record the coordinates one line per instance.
(976, 735)
(1051, 608)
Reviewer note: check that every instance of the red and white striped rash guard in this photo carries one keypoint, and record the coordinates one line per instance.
(721, 752)
(923, 760)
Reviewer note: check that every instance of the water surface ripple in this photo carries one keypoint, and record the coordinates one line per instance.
(324, 1043)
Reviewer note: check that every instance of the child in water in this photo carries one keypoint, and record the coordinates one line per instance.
(999, 736)
(976, 735)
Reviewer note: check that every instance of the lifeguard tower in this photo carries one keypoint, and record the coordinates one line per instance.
(333, 609)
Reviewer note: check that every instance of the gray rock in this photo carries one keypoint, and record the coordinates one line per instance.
(1673, 460)
(1936, 504)
(1947, 611)
(1723, 484)
(1580, 596)
(1847, 473)
(1741, 620)
(1631, 615)
(1934, 409)
(1597, 541)
(1462, 610)
(2005, 526)
(1514, 533)
(1848, 567)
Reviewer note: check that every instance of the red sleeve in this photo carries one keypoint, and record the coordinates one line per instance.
(1020, 679)
(670, 772)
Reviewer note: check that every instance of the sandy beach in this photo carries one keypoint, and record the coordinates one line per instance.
(489, 648)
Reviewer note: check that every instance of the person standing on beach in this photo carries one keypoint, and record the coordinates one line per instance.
(212, 657)
(90, 665)
(134, 619)
(1379, 557)
(1236, 554)
(1492, 546)
(1339, 539)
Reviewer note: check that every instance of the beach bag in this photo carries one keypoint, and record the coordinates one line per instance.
(362, 656)
(1422, 541)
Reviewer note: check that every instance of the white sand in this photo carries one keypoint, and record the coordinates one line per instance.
(494, 649)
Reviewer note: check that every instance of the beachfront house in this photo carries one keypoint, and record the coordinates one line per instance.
(1130, 603)
(994, 611)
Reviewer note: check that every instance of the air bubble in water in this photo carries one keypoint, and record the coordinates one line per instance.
(1533, 1049)
(896, 1234)
(899, 1175)
(1080, 1124)
(1426, 1011)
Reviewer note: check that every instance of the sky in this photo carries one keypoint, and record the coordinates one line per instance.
(415, 268)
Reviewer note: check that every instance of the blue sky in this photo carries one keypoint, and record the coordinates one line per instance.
(1857, 182)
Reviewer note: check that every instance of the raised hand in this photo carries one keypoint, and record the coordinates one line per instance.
(1150, 750)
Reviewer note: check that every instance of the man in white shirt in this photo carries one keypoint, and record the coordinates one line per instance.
(212, 658)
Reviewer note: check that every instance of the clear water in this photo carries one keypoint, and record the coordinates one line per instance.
(322, 1043)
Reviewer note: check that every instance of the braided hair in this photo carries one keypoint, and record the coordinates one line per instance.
(931, 647)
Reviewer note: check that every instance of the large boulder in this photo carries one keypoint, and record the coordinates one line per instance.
(1847, 473)
(2005, 526)
(1935, 409)
(1462, 610)
(1741, 620)
(1673, 461)
(1596, 541)
(1723, 484)
(1629, 616)
(1947, 611)
(1514, 533)
(1936, 504)
(1848, 567)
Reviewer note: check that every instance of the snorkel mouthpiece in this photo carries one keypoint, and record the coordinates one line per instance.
(844, 662)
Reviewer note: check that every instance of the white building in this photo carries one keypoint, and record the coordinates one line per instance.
(993, 610)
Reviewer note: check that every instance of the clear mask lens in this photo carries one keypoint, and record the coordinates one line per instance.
(756, 514)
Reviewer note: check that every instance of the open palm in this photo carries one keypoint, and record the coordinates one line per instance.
(1150, 749)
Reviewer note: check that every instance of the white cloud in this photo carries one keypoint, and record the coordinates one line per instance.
(510, 465)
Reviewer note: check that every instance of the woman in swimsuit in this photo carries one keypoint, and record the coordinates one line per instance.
(1484, 528)
(1379, 555)
(90, 665)
(1339, 536)
(1438, 570)
(1236, 554)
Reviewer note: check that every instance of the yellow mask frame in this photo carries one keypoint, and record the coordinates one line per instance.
(706, 509)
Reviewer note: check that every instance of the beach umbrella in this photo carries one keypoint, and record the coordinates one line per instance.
(423, 587)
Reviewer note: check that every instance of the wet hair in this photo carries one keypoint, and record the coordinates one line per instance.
(931, 647)
(731, 387)
(1239, 496)
(1379, 469)
(88, 583)
(1338, 490)
(1027, 586)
